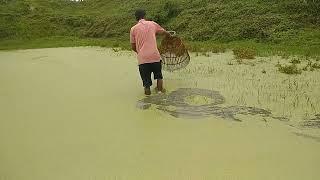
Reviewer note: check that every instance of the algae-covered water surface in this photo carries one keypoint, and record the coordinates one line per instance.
(80, 113)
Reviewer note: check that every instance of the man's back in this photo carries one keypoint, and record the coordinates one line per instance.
(143, 34)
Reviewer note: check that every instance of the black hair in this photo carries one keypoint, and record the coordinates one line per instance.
(140, 14)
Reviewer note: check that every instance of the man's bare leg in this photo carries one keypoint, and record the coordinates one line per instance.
(147, 91)
(160, 85)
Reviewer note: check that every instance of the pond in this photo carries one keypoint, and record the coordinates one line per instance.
(75, 113)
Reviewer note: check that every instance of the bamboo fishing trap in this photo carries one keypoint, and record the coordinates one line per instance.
(174, 53)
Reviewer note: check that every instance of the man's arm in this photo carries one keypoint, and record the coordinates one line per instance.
(133, 40)
(163, 33)
(134, 47)
(160, 30)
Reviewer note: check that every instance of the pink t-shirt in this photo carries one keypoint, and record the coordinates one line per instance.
(143, 34)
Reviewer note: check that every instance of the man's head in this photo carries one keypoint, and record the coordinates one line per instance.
(140, 14)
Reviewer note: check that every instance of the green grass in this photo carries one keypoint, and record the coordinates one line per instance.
(285, 28)
(195, 20)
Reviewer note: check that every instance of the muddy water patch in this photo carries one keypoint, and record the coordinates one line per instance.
(200, 103)
(39, 57)
(307, 136)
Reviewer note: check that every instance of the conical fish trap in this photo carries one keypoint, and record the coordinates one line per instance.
(174, 54)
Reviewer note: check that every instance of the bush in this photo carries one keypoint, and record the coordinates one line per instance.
(290, 69)
(169, 10)
(244, 53)
(8, 26)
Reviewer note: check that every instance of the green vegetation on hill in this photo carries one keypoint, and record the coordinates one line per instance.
(286, 23)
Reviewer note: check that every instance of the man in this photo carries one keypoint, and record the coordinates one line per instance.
(143, 42)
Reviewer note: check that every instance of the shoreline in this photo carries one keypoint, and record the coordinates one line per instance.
(261, 49)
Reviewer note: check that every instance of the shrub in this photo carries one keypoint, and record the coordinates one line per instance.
(290, 69)
(167, 11)
(244, 53)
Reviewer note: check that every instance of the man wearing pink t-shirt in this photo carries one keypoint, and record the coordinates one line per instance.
(143, 42)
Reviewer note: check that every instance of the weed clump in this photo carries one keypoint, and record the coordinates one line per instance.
(295, 61)
(289, 69)
(315, 65)
(206, 54)
(218, 49)
(244, 53)
(278, 64)
(311, 66)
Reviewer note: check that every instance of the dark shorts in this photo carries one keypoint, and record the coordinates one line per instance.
(146, 70)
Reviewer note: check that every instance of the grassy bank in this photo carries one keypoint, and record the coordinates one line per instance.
(289, 27)
(261, 49)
